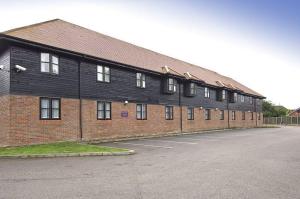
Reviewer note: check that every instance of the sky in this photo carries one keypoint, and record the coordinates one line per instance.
(255, 42)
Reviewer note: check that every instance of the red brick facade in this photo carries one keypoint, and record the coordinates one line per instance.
(20, 121)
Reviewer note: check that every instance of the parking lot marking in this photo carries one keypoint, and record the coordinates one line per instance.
(146, 145)
(171, 141)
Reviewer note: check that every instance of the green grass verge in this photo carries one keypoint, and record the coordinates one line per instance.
(56, 148)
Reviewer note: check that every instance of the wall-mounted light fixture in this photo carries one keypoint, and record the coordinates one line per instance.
(20, 68)
(201, 108)
(125, 102)
(217, 109)
(1, 67)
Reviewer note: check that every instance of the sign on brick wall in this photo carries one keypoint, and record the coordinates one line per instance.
(124, 114)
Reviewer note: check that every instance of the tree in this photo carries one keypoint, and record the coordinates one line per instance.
(271, 110)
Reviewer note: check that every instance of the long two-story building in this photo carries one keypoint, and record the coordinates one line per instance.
(60, 81)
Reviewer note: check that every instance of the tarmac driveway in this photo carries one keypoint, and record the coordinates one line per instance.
(253, 163)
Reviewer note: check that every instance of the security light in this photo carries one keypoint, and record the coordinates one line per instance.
(20, 68)
(1, 67)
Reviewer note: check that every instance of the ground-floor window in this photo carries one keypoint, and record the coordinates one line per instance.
(222, 114)
(233, 115)
(190, 112)
(243, 115)
(103, 110)
(141, 111)
(252, 116)
(207, 114)
(49, 108)
(169, 112)
(258, 115)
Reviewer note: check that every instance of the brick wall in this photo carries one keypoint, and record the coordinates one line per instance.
(4, 120)
(127, 126)
(27, 128)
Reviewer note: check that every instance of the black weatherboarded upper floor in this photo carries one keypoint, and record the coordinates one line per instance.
(122, 84)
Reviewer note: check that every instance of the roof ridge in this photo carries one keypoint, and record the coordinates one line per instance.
(128, 43)
(135, 45)
(30, 26)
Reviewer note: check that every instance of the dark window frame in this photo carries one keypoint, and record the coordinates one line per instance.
(251, 100)
(103, 74)
(190, 113)
(259, 116)
(144, 109)
(243, 115)
(207, 114)
(252, 116)
(222, 115)
(233, 115)
(50, 63)
(104, 110)
(50, 109)
(169, 112)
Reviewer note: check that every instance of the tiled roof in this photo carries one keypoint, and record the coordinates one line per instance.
(61, 34)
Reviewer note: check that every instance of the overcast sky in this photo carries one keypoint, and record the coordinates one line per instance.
(253, 41)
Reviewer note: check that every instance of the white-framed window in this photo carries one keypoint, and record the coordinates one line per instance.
(190, 113)
(49, 63)
(140, 80)
(235, 97)
(103, 73)
(223, 94)
(141, 111)
(242, 98)
(103, 110)
(171, 83)
(206, 92)
(193, 88)
(169, 112)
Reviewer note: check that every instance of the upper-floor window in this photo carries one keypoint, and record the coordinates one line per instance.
(190, 112)
(141, 111)
(222, 115)
(207, 114)
(235, 97)
(242, 98)
(193, 89)
(49, 63)
(171, 85)
(103, 74)
(104, 110)
(243, 115)
(251, 100)
(140, 80)
(233, 115)
(169, 112)
(49, 108)
(223, 94)
(206, 92)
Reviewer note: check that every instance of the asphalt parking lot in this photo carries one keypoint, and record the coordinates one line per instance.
(252, 163)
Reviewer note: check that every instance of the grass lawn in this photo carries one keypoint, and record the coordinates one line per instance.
(56, 148)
